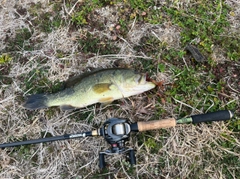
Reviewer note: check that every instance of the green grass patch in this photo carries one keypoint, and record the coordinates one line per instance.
(5, 66)
(93, 44)
(38, 82)
(151, 46)
(150, 143)
(195, 87)
(5, 58)
(21, 41)
(206, 21)
(230, 161)
(82, 15)
(25, 151)
(46, 21)
(234, 125)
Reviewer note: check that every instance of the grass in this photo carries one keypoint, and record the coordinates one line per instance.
(91, 44)
(43, 44)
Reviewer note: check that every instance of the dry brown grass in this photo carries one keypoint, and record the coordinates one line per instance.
(186, 150)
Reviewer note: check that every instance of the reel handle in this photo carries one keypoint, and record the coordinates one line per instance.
(132, 157)
(102, 163)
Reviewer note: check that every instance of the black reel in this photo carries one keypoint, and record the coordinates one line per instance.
(116, 132)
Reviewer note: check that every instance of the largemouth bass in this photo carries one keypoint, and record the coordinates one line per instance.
(101, 86)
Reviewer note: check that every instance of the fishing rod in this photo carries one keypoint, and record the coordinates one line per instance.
(117, 131)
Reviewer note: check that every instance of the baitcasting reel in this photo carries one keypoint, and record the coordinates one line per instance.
(116, 132)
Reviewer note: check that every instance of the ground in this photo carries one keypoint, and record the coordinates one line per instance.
(43, 43)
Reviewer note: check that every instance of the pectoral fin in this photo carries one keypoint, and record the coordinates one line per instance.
(101, 87)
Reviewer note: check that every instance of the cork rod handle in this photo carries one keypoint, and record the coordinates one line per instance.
(158, 124)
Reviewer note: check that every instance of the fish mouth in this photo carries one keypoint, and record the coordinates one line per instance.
(145, 82)
(147, 78)
(144, 78)
(152, 81)
(142, 83)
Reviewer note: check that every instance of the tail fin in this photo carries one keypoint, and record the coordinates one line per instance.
(36, 101)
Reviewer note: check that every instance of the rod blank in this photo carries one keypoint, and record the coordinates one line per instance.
(34, 141)
(48, 139)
